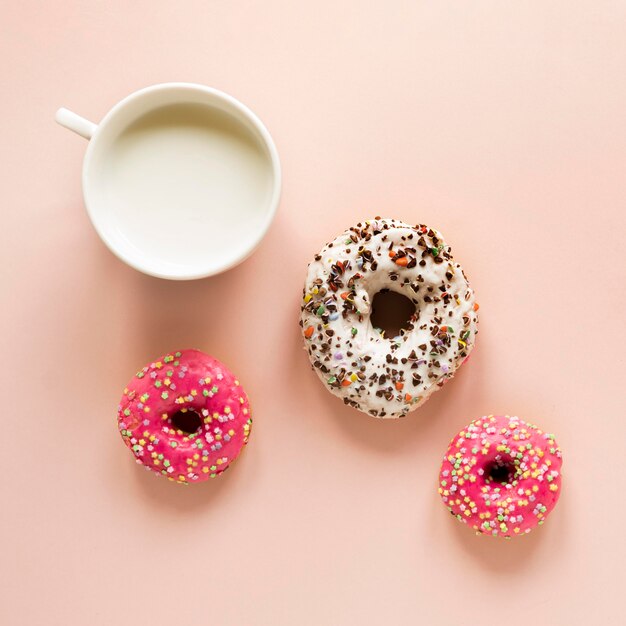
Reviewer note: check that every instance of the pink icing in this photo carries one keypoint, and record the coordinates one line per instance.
(501, 476)
(194, 384)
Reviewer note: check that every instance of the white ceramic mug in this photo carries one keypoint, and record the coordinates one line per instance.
(180, 180)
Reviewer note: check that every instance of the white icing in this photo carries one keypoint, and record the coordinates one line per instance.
(431, 366)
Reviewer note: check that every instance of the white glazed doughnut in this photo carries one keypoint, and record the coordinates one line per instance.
(387, 376)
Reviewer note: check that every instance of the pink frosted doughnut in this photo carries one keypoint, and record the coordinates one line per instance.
(185, 416)
(501, 476)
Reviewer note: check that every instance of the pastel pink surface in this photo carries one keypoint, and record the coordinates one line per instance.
(185, 381)
(502, 125)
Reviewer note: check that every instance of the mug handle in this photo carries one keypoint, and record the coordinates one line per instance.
(78, 124)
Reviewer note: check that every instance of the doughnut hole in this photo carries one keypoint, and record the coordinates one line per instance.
(392, 312)
(500, 471)
(188, 421)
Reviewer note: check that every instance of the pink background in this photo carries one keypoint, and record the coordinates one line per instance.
(501, 124)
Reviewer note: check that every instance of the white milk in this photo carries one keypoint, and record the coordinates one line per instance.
(184, 178)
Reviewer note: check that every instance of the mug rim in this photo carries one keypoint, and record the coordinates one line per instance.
(141, 263)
